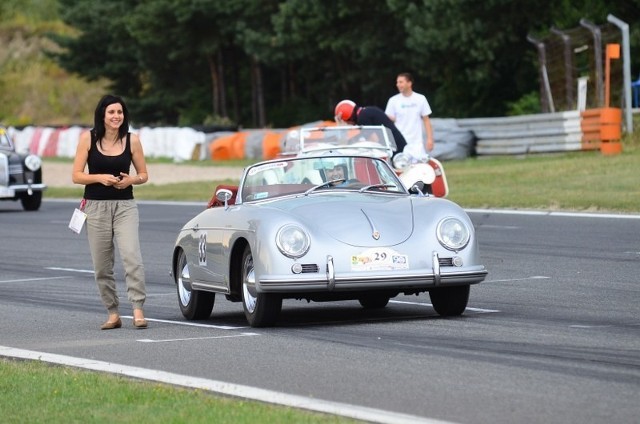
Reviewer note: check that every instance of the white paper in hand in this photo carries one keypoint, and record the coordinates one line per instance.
(77, 221)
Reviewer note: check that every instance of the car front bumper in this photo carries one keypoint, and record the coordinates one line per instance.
(11, 191)
(329, 281)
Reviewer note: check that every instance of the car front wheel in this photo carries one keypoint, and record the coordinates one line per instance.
(450, 301)
(31, 202)
(194, 304)
(261, 309)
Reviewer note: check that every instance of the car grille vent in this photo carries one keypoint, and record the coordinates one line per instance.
(309, 268)
(15, 169)
(445, 261)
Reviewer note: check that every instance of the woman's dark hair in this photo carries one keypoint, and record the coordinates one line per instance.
(99, 130)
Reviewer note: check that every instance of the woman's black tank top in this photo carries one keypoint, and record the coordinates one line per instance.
(114, 165)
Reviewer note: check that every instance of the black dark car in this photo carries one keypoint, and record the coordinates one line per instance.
(20, 175)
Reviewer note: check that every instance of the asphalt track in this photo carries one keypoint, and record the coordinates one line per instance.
(551, 336)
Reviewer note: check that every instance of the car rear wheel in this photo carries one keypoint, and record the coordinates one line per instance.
(31, 202)
(194, 304)
(450, 301)
(374, 301)
(261, 309)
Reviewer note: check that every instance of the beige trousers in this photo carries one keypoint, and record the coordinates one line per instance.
(109, 220)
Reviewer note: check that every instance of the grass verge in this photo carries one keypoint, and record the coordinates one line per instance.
(67, 395)
(579, 181)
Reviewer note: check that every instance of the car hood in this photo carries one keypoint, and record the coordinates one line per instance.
(356, 219)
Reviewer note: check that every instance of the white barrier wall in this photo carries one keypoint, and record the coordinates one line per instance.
(168, 142)
(540, 133)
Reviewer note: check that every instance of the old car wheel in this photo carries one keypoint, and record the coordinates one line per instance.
(31, 202)
(374, 302)
(450, 301)
(261, 309)
(194, 304)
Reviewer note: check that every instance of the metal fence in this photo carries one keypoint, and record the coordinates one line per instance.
(565, 56)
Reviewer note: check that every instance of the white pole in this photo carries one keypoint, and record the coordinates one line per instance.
(582, 93)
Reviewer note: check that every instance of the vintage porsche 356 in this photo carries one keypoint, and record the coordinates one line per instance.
(324, 228)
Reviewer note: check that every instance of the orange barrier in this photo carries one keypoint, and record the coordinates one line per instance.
(229, 147)
(271, 145)
(233, 146)
(602, 129)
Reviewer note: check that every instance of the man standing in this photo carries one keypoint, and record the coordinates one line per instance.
(410, 112)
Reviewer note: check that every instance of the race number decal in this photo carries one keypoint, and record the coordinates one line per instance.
(379, 259)
(202, 250)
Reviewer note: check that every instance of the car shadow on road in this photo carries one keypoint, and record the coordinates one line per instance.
(302, 314)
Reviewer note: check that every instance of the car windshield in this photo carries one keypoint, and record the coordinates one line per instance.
(306, 175)
(361, 140)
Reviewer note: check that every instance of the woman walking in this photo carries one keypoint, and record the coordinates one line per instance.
(108, 150)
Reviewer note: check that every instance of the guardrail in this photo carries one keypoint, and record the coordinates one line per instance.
(548, 132)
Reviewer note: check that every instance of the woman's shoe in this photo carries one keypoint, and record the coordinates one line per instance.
(110, 325)
(140, 323)
(138, 318)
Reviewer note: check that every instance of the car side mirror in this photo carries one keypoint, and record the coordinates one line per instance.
(417, 188)
(223, 195)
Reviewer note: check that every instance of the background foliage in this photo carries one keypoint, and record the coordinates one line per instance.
(276, 62)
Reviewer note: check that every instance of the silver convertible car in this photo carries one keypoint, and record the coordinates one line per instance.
(324, 228)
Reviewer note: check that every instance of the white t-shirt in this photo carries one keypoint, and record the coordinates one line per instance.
(408, 112)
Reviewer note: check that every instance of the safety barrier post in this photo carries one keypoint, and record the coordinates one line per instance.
(602, 127)
(610, 118)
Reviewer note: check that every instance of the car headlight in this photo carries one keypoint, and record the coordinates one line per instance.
(292, 241)
(452, 233)
(33, 162)
(401, 161)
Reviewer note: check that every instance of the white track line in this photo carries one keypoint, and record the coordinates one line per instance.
(197, 338)
(191, 324)
(554, 213)
(482, 311)
(26, 280)
(268, 396)
(54, 268)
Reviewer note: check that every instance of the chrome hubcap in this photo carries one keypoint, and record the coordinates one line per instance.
(250, 278)
(183, 293)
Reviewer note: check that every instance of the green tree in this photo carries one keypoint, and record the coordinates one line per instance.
(29, 10)
(175, 41)
(474, 55)
(103, 47)
(285, 62)
(340, 49)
